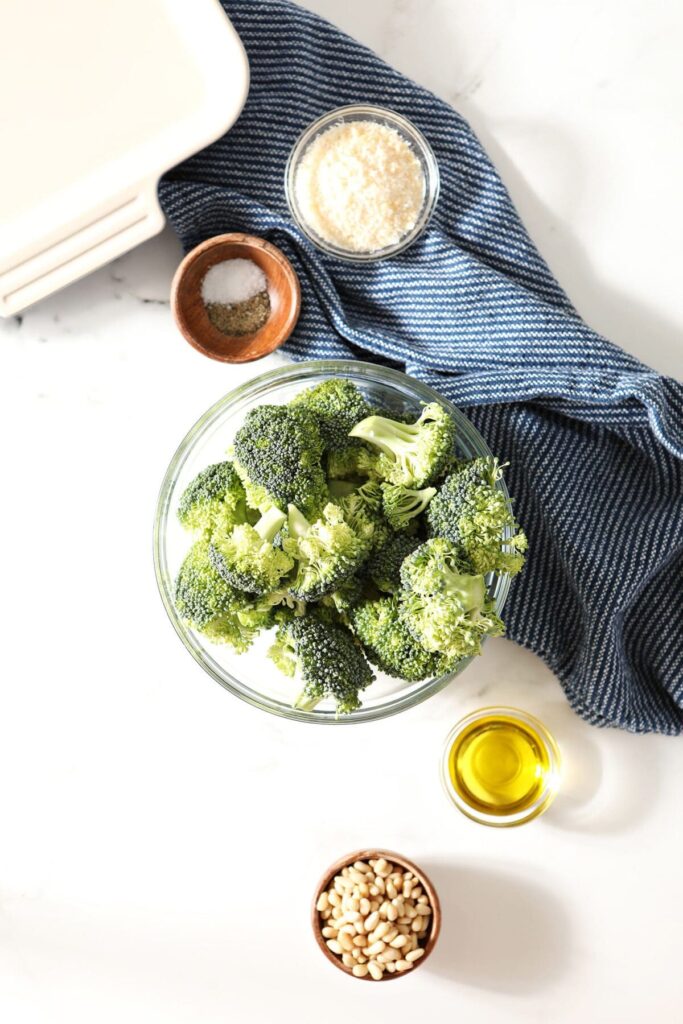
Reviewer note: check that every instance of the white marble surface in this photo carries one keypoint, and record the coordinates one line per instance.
(159, 839)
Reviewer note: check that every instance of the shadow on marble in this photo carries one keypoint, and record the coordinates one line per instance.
(610, 777)
(500, 932)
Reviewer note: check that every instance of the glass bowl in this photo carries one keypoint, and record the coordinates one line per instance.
(252, 676)
(531, 726)
(407, 131)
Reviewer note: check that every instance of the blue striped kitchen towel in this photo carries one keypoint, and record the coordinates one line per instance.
(594, 438)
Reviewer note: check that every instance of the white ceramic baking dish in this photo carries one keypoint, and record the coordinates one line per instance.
(99, 99)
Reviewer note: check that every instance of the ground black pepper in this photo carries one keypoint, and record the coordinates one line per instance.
(241, 317)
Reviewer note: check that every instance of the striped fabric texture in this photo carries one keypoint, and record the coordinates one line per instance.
(594, 438)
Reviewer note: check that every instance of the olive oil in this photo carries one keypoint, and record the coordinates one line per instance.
(499, 765)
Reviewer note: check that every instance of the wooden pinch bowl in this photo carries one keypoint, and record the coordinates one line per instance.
(190, 312)
(405, 865)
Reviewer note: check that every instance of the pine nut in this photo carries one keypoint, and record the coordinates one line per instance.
(375, 970)
(360, 970)
(372, 921)
(392, 912)
(417, 924)
(334, 946)
(345, 941)
(423, 899)
(360, 940)
(334, 898)
(403, 965)
(422, 910)
(390, 936)
(372, 950)
(364, 907)
(390, 967)
(382, 868)
(323, 902)
(347, 960)
(329, 933)
(391, 890)
(407, 889)
(381, 930)
(374, 891)
(380, 884)
(414, 955)
(399, 941)
(387, 956)
(361, 866)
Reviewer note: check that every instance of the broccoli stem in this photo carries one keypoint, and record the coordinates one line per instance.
(469, 590)
(401, 504)
(387, 435)
(298, 523)
(269, 524)
(305, 703)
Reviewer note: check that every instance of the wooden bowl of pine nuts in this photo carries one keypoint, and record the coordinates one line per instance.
(376, 916)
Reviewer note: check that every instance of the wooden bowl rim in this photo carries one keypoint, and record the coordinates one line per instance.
(249, 242)
(407, 865)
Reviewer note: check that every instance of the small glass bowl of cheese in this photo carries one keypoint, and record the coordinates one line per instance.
(362, 183)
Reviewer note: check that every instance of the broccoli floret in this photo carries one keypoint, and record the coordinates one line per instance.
(384, 565)
(337, 405)
(246, 558)
(281, 602)
(214, 498)
(208, 604)
(412, 454)
(363, 512)
(473, 514)
(446, 608)
(328, 551)
(326, 659)
(345, 597)
(402, 504)
(354, 462)
(435, 568)
(390, 646)
(277, 453)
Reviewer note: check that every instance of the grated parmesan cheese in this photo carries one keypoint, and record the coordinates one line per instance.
(360, 186)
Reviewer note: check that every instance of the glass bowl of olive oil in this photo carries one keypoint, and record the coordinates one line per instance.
(501, 767)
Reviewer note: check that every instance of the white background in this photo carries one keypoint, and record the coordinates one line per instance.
(159, 840)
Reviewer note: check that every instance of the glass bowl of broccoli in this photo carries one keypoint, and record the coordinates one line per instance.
(334, 541)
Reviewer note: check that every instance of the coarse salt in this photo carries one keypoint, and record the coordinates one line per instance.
(233, 281)
(360, 186)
